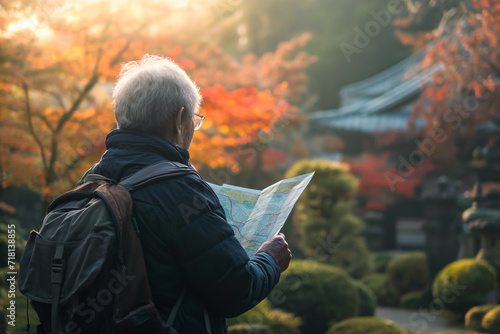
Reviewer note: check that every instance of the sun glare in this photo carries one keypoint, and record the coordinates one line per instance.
(31, 26)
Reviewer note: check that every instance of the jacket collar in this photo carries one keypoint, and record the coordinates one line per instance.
(138, 141)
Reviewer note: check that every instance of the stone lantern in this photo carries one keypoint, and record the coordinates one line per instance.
(483, 218)
(441, 228)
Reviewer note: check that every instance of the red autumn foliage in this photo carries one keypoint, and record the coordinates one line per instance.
(465, 89)
(378, 172)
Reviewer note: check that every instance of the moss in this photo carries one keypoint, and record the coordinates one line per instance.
(390, 331)
(409, 272)
(249, 329)
(456, 332)
(319, 294)
(276, 320)
(367, 300)
(464, 284)
(365, 325)
(475, 315)
(385, 293)
(491, 321)
(412, 300)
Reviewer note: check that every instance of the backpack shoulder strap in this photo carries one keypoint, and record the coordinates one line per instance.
(156, 172)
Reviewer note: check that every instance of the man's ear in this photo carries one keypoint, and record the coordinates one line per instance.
(178, 121)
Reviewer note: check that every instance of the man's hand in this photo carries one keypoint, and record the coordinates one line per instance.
(278, 248)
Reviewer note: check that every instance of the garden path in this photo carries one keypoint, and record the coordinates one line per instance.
(422, 321)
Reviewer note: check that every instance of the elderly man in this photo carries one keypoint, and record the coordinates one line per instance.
(195, 251)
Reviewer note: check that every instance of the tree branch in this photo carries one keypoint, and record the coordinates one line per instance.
(82, 95)
(45, 121)
(76, 104)
(59, 99)
(50, 175)
(73, 164)
(125, 47)
(493, 66)
(30, 125)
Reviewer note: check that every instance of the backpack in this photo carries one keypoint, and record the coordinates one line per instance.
(84, 271)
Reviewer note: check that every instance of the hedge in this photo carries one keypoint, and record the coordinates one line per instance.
(385, 293)
(408, 272)
(413, 300)
(275, 320)
(367, 300)
(319, 294)
(491, 321)
(249, 329)
(381, 261)
(475, 315)
(464, 284)
(365, 325)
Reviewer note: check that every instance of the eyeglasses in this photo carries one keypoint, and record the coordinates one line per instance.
(198, 120)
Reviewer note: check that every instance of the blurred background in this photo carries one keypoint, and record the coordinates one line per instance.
(394, 104)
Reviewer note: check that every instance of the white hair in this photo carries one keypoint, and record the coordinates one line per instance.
(150, 92)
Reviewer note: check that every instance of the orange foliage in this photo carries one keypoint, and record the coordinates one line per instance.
(56, 109)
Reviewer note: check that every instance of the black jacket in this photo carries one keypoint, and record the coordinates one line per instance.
(186, 239)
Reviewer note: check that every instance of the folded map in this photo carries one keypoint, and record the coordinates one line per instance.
(258, 215)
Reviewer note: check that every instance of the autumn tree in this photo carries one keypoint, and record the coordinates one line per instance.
(56, 72)
(462, 54)
(50, 72)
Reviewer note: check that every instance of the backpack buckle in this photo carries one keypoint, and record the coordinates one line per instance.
(57, 271)
(57, 265)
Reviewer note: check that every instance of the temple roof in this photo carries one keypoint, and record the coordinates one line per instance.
(381, 82)
(381, 103)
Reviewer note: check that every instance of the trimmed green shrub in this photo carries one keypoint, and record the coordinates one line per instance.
(365, 325)
(456, 332)
(275, 320)
(464, 284)
(319, 294)
(329, 231)
(248, 329)
(381, 261)
(409, 272)
(412, 300)
(475, 315)
(491, 321)
(391, 331)
(367, 300)
(385, 293)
